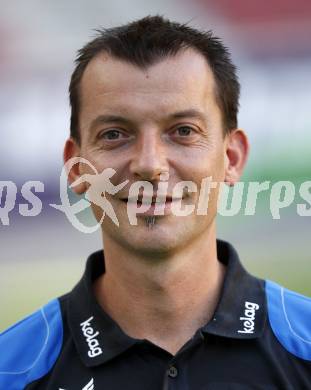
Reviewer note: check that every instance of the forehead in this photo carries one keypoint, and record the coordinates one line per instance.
(179, 81)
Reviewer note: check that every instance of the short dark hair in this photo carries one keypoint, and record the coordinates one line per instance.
(148, 40)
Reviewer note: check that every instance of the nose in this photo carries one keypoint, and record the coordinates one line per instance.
(150, 158)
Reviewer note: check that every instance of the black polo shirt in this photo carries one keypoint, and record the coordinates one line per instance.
(258, 338)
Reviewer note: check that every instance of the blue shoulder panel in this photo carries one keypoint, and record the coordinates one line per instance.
(290, 319)
(29, 349)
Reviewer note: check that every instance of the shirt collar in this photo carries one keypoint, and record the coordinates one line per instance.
(97, 337)
(241, 311)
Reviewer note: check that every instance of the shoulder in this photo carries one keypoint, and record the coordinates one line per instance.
(289, 315)
(29, 348)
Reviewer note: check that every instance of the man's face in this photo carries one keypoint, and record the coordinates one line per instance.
(142, 123)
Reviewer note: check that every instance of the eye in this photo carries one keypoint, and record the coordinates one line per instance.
(111, 135)
(184, 131)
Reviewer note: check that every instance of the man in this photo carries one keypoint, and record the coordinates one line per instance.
(165, 305)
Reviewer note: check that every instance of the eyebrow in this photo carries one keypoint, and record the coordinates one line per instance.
(108, 118)
(190, 113)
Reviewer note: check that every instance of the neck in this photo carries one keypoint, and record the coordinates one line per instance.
(164, 300)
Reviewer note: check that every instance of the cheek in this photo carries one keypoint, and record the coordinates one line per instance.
(203, 166)
(97, 159)
(97, 212)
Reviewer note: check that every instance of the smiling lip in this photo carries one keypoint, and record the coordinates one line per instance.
(148, 200)
(137, 203)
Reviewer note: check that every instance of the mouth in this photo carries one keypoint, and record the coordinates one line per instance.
(152, 201)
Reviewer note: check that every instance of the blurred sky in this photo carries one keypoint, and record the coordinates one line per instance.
(270, 43)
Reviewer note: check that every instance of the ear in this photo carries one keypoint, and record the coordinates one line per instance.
(72, 149)
(237, 149)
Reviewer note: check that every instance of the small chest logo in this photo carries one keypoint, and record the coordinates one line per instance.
(90, 335)
(249, 318)
(89, 386)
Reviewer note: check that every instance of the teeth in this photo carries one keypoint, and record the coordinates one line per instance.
(151, 198)
(151, 201)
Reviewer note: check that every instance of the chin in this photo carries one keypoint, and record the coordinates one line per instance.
(155, 249)
(157, 241)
